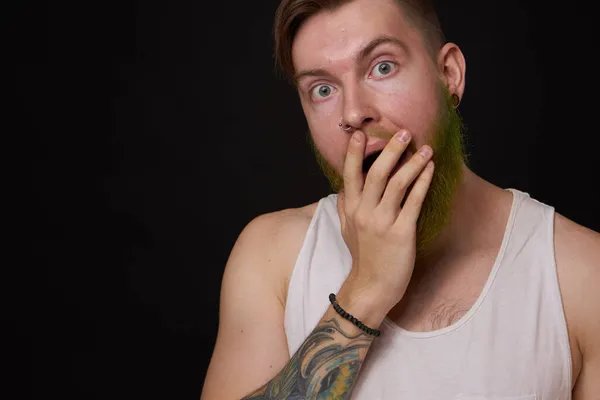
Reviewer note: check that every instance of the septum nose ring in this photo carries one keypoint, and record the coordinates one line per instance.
(344, 127)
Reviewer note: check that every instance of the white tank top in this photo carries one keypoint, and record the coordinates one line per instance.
(512, 343)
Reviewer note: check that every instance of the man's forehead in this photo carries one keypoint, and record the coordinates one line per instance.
(340, 34)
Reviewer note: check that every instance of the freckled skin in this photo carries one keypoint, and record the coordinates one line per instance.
(394, 87)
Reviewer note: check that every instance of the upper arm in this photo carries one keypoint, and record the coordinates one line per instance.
(578, 259)
(587, 386)
(251, 346)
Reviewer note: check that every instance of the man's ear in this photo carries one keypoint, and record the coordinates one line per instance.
(452, 67)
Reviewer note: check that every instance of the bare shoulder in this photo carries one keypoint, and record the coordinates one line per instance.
(274, 224)
(577, 251)
(579, 244)
(274, 240)
(251, 344)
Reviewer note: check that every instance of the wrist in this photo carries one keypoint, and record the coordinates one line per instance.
(365, 304)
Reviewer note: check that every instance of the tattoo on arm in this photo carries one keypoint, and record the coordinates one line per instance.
(324, 368)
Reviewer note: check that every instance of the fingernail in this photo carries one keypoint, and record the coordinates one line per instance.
(425, 151)
(403, 137)
(356, 137)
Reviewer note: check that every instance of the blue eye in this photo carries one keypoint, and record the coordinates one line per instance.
(383, 68)
(322, 91)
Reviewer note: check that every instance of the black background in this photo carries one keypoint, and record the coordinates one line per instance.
(143, 136)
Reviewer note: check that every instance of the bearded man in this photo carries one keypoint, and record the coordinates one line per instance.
(416, 278)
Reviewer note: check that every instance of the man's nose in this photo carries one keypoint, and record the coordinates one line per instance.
(358, 108)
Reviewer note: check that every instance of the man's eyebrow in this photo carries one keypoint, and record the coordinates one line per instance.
(378, 41)
(312, 72)
(362, 54)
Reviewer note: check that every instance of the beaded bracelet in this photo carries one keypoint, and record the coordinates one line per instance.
(351, 318)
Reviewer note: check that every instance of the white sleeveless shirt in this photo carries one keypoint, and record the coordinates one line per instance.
(512, 343)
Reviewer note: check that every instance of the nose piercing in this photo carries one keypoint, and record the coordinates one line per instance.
(344, 127)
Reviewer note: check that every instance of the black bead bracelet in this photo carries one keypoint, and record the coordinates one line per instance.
(351, 318)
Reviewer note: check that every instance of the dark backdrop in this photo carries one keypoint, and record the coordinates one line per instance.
(149, 133)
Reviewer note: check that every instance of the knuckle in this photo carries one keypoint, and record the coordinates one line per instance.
(419, 162)
(404, 230)
(398, 147)
(400, 181)
(376, 175)
(356, 148)
(381, 228)
(411, 202)
(361, 220)
(408, 174)
(353, 151)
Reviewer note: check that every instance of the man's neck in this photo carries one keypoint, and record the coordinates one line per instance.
(474, 212)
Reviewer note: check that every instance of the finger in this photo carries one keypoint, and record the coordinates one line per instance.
(402, 179)
(340, 209)
(353, 178)
(380, 171)
(412, 207)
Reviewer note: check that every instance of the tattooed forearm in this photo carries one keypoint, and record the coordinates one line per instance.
(324, 368)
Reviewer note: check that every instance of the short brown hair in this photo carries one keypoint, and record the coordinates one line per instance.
(291, 14)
